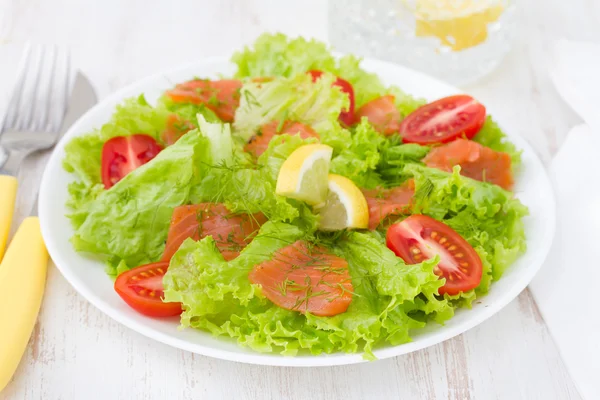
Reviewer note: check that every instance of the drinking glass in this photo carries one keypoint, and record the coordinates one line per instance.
(457, 41)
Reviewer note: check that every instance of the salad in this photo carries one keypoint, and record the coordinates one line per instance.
(299, 206)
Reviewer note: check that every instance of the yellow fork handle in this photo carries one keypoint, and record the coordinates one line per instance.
(22, 281)
(8, 194)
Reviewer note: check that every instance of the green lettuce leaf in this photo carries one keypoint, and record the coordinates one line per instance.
(83, 154)
(219, 136)
(130, 221)
(360, 157)
(277, 55)
(487, 216)
(395, 156)
(367, 86)
(80, 198)
(401, 154)
(390, 298)
(247, 187)
(317, 104)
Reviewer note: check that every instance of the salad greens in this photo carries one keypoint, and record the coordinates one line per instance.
(300, 99)
(127, 225)
(130, 221)
(220, 299)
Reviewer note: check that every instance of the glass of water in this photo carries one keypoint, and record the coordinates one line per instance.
(457, 41)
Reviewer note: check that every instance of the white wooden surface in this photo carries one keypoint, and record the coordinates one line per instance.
(76, 352)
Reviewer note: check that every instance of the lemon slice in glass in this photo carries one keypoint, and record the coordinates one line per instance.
(304, 174)
(346, 206)
(459, 24)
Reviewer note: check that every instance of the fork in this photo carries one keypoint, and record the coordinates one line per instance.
(32, 121)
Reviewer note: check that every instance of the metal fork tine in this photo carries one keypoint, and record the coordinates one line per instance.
(27, 101)
(60, 90)
(44, 90)
(13, 105)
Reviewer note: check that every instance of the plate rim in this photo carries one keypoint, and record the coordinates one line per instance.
(269, 359)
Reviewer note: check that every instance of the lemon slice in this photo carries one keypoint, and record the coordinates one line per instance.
(346, 206)
(303, 175)
(458, 24)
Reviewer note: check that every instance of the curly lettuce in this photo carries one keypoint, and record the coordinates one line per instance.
(276, 55)
(130, 221)
(360, 156)
(390, 299)
(317, 104)
(487, 216)
(83, 154)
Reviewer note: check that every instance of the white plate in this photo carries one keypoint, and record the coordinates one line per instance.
(88, 278)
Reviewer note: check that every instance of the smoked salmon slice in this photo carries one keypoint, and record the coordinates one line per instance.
(476, 162)
(231, 232)
(222, 96)
(260, 142)
(176, 127)
(386, 202)
(382, 114)
(305, 278)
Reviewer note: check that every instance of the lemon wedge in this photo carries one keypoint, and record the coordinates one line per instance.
(346, 206)
(304, 174)
(459, 24)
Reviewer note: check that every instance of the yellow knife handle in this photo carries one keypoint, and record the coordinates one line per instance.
(8, 194)
(22, 280)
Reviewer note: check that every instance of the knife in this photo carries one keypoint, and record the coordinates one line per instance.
(24, 266)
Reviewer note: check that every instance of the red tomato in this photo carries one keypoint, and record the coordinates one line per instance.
(231, 232)
(305, 279)
(142, 289)
(419, 238)
(176, 127)
(222, 97)
(346, 117)
(123, 154)
(443, 121)
(260, 142)
(386, 202)
(382, 114)
(476, 162)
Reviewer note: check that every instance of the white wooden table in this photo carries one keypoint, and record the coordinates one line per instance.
(76, 352)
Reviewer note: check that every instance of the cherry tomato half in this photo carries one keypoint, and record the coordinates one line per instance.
(419, 238)
(142, 289)
(346, 117)
(443, 121)
(123, 154)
